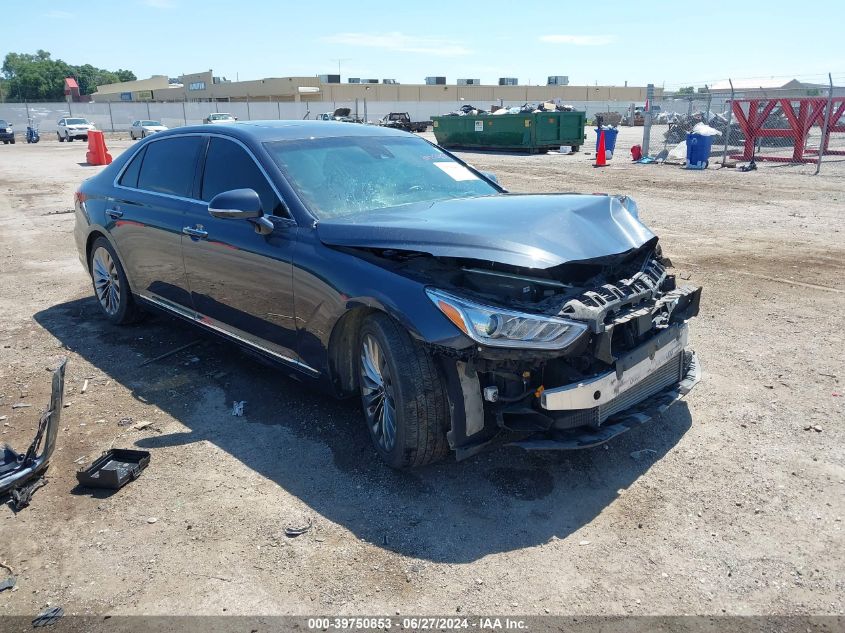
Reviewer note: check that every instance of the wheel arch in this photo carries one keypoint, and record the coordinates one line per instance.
(343, 344)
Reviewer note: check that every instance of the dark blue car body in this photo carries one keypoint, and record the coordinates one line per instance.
(297, 293)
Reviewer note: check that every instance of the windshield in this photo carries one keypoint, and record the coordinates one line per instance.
(345, 176)
(150, 123)
(220, 117)
(76, 122)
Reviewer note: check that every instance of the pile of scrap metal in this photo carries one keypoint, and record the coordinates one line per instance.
(609, 118)
(526, 108)
(682, 124)
(19, 472)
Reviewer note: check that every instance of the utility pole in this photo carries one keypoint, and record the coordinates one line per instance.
(339, 60)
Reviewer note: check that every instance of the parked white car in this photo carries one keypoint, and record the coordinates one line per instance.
(70, 128)
(220, 117)
(142, 128)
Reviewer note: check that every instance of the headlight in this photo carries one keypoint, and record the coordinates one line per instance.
(499, 327)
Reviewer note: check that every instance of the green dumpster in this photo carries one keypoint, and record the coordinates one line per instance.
(529, 132)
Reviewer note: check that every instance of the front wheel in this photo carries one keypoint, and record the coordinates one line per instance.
(110, 285)
(403, 395)
(61, 138)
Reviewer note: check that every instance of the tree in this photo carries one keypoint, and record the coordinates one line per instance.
(688, 90)
(39, 77)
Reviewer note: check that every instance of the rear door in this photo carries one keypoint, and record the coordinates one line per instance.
(155, 192)
(241, 281)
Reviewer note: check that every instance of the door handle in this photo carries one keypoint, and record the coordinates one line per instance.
(195, 232)
(114, 214)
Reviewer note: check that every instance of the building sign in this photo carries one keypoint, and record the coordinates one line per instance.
(126, 96)
(144, 95)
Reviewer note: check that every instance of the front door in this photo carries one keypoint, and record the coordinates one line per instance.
(241, 281)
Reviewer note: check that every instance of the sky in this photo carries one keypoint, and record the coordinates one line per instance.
(670, 44)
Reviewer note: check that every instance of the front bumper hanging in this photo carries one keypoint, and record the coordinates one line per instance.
(17, 468)
(645, 383)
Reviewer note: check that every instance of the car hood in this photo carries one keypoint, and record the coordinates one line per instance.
(525, 230)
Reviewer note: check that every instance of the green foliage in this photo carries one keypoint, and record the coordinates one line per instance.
(39, 77)
(688, 90)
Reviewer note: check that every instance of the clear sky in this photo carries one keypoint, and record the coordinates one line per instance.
(667, 43)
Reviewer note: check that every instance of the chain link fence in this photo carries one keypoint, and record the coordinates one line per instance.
(798, 124)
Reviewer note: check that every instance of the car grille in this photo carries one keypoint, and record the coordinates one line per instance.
(669, 374)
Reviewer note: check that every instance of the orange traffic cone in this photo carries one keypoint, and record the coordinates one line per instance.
(601, 152)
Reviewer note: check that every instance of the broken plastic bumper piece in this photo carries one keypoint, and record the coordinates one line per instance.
(17, 468)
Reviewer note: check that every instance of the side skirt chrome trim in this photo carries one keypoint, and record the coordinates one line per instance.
(209, 323)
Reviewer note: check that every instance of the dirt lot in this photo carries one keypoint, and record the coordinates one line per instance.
(735, 508)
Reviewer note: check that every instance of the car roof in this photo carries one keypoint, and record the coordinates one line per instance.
(266, 131)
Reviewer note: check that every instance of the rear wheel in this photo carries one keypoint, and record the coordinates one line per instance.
(110, 285)
(403, 395)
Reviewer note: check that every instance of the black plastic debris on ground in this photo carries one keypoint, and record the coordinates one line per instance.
(22, 495)
(18, 468)
(114, 469)
(48, 617)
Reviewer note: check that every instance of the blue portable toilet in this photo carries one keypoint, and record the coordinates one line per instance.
(698, 151)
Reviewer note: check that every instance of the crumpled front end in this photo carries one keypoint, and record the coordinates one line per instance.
(631, 363)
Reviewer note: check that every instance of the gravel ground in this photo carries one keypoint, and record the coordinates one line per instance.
(736, 507)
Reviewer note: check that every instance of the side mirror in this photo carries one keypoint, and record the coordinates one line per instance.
(236, 118)
(241, 204)
(237, 204)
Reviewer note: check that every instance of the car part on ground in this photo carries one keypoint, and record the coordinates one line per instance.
(114, 469)
(456, 311)
(16, 469)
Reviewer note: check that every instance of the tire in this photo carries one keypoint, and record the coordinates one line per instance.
(12, 141)
(68, 138)
(60, 137)
(132, 136)
(111, 288)
(413, 395)
(143, 134)
(85, 138)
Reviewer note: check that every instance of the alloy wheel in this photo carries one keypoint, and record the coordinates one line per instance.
(106, 281)
(377, 393)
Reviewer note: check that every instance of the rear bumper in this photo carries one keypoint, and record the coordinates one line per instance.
(7, 136)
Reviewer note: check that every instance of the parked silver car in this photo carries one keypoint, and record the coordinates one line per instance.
(143, 128)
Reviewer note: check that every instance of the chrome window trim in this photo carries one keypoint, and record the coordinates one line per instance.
(263, 171)
(211, 324)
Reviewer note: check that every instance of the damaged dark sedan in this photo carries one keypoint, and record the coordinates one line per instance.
(377, 265)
